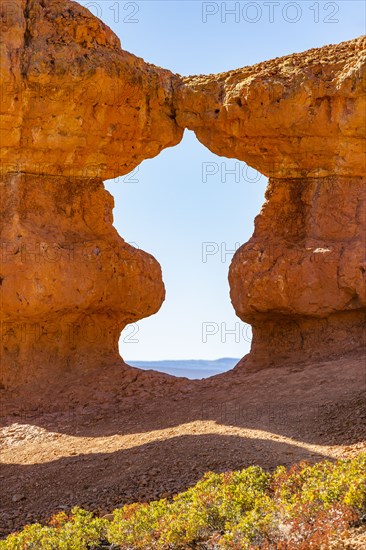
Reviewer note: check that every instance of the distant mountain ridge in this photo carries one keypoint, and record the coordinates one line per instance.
(190, 368)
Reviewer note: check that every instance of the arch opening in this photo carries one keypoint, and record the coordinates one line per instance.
(191, 216)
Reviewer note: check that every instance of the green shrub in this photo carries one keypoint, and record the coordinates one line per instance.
(80, 531)
(323, 483)
(249, 509)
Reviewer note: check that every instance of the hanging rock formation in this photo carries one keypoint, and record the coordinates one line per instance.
(297, 116)
(76, 109)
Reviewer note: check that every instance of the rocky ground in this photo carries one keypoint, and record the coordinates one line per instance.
(103, 453)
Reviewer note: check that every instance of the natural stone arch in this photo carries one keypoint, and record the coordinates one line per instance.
(77, 110)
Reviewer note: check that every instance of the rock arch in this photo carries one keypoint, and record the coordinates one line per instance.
(76, 110)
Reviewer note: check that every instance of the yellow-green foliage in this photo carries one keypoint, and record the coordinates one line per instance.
(78, 532)
(247, 509)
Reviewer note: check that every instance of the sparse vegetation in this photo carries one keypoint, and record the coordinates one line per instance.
(299, 508)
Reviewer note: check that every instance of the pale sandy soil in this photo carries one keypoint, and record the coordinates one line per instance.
(149, 443)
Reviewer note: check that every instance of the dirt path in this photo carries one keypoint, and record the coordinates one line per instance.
(103, 455)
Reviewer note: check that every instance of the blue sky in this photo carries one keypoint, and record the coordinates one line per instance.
(166, 208)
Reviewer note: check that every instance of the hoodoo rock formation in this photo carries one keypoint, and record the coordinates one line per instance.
(300, 280)
(69, 283)
(76, 110)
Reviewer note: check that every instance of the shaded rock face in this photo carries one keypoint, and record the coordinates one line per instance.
(76, 109)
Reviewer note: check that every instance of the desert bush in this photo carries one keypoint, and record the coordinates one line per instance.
(79, 531)
(300, 508)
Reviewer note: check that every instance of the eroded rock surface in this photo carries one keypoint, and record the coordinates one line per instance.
(69, 282)
(302, 115)
(73, 102)
(301, 120)
(300, 280)
(76, 109)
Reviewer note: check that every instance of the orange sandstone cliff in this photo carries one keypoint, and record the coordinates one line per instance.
(300, 120)
(76, 109)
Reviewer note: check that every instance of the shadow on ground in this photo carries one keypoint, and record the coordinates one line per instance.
(104, 481)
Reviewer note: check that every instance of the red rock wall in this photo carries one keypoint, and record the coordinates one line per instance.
(69, 282)
(300, 280)
(76, 109)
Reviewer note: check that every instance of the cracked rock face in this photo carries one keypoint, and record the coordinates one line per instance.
(76, 109)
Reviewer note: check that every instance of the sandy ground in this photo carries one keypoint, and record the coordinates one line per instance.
(147, 444)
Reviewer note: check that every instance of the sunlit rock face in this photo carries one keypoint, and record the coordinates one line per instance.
(73, 102)
(301, 279)
(69, 282)
(76, 110)
(297, 116)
